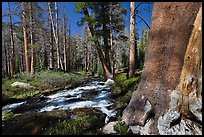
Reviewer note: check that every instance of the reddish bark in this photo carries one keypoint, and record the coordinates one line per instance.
(172, 24)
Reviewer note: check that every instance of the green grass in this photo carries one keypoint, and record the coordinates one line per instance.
(83, 125)
(120, 127)
(123, 88)
(44, 81)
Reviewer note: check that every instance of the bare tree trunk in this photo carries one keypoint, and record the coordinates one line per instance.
(25, 38)
(191, 71)
(59, 61)
(69, 48)
(32, 70)
(169, 35)
(86, 50)
(6, 59)
(65, 39)
(132, 40)
(12, 62)
(51, 39)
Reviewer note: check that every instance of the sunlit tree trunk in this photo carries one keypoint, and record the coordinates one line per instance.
(51, 56)
(32, 67)
(25, 38)
(65, 39)
(159, 104)
(132, 41)
(190, 80)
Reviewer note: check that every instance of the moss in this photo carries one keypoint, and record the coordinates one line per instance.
(81, 125)
(123, 88)
(7, 114)
(116, 90)
(120, 127)
(121, 77)
(123, 82)
(122, 101)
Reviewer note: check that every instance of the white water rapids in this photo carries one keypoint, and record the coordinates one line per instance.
(94, 94)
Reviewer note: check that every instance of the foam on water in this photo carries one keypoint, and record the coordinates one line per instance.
(12, 106)
(71, 99)
(100, 101)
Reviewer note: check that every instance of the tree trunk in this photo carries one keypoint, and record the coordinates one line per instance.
(25, 38)
(6, 60)
(111, 43)
(32, 67)
(171, 28)
(51, 38)
(191, 72)
(107, 48)
(132, 40)
(65, 39)
(12, 62)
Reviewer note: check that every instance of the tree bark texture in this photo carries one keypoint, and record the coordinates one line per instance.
(25, 38)
(132, 40)
(171, 28)
(191, 71)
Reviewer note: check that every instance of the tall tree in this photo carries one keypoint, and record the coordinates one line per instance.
(132, 41)
(32, 67)
(65, 39)
(25, 16)
(12, 62)
(83, 8)
(99, 23)
(169, 35)
(51, 55)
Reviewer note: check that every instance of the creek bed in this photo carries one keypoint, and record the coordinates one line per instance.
(94, 94)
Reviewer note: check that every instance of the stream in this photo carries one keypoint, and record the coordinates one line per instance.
(94, 94)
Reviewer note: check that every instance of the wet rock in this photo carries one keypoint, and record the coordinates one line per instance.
(90, 94)
(74, 100)
(21, 84)
(109, 82)
(135, 129)
(110, 119)
(109, 128)
(42, 98)
(183, 126)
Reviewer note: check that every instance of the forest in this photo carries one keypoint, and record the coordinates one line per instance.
(101, 68)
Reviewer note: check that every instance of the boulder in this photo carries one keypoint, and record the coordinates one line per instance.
(21, 84)
(109, 82)
(109, 128)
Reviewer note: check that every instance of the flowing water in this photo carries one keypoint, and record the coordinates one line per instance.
(94, 94)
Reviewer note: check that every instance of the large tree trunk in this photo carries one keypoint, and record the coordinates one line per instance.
(171, 28)
(190, 80)
(132, 40)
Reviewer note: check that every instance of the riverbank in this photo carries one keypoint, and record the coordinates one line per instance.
(43, 83)
(77, 119)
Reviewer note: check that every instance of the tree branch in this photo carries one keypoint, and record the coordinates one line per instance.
(144, 21)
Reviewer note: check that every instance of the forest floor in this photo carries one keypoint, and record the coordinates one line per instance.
(87, 121)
